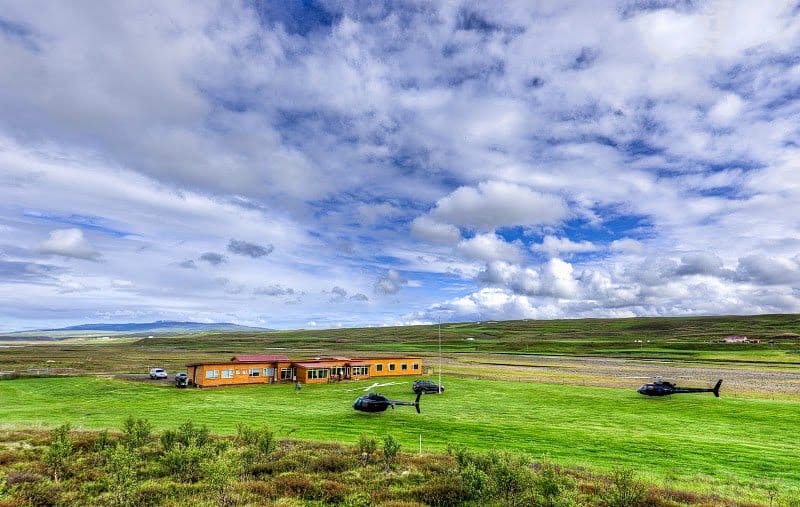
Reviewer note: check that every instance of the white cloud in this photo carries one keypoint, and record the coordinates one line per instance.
(726, 109)
(430, 230)
(554, 246)
(489, 247)
(626, 245)
(495, 204)
(673, 128)
(68, 243)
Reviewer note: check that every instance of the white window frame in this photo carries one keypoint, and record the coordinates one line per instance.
(255, 372)
(359, 370)
(415, 366)
(378, 367)
(317, 373)
(392, 367)
(227, 373)
(212, 374)
(403, 366)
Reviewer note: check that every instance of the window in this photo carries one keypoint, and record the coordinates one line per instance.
(318, 373)
(286, 374)
(391, 367)
(378, 367)
(255, 372)
(415, 366)
(404, 366)
(360, 370)
(227, 373)
(238, 372)
(212, 374)
(269, 372)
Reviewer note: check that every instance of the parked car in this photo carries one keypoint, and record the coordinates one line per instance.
(181, 380)
(158, 373)
(427, 387)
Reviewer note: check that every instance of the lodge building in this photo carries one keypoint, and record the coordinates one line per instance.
(277, 368)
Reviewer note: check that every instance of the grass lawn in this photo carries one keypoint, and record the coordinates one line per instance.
(698, 441)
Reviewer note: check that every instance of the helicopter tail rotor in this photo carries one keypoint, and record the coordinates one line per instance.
(416, 403)
(716, 388)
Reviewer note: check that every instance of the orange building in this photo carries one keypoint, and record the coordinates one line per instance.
(272, 369)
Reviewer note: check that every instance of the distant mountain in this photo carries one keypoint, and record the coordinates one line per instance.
(158, 327)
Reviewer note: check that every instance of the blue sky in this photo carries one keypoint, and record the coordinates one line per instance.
(324, 164)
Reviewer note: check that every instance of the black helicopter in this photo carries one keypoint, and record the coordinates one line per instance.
(664, 388)
(374, 402)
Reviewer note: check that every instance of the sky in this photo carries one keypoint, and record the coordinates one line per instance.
(316, 164)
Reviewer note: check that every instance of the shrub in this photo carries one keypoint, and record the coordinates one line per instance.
(221, 474)
(331, 463)
(293, 484)
(59, 451)
(359, 499)
(445, 491)
(260, 439)
(624, 489)
(511, 478)
(391, 448)
(366, 448)
(475, 482)
(184, 462)
(19, 477)
(329, 492)
(102, 442)
(121, 465)
(38, 494)
(551, 487)
(136, 432)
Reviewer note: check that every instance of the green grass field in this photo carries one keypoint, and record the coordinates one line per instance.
(705, 444)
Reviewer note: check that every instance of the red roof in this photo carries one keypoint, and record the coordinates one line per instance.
(359, 364)
(313, 365)
(259, 359)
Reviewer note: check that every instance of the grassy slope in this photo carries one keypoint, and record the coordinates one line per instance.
(684, 339)
(696, 438)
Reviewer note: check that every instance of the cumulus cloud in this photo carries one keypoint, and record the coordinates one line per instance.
(428, 229)
(489, 247)
(554, 246)
(553, 279)
(495, 204)
(245, 248)
(766, 270)
(68, 243)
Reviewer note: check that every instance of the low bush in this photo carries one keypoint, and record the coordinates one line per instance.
(624, 489)
(447, 491)
(38, 494)
(294, 484)
(332, 463)
(13, 478)
(329, 492)
(136, 432)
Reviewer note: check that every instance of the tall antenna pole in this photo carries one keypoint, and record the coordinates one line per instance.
(440, 355)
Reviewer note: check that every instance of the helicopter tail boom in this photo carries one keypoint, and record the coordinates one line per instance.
(716, 388)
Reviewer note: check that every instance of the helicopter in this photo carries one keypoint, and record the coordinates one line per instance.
(374, 402)
(664, 388)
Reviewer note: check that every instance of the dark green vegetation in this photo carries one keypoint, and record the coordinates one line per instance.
(187, 466)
